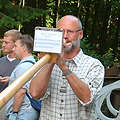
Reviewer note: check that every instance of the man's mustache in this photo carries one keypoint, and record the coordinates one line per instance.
(66, 42)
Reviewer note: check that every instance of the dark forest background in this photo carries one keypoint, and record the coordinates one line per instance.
(100, 19)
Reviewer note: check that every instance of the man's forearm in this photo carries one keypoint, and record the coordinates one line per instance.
(18, 99)
(81, 89)
(40, 82)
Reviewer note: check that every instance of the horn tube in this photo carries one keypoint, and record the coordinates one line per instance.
(13, 88)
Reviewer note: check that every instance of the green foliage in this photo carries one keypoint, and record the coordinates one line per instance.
(65, 8)
(35, 55)
(100, 19)
(12, 15)
(1, 51)
(8, 21)
(49, 21)
(107, 59)
(6, 4)
(26, 13)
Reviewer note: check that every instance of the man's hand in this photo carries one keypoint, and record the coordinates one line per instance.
(60, 62)
(66, 43)
(5, 80)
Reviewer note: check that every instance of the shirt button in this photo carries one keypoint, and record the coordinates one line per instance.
(62, 100)
(60, 114)
(61, 107)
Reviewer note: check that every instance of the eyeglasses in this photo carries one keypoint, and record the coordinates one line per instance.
(70, 32)
(6, 42)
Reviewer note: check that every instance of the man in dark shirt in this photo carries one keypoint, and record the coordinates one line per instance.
(8, 62)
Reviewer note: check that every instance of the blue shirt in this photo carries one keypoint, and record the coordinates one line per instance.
(19, 70)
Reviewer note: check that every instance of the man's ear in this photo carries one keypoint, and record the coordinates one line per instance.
(81, 34)
(24, 48)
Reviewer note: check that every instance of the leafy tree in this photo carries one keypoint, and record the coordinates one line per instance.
(14, 15)
(100, 19)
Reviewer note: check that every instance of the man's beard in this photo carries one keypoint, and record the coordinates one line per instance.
(74, 44)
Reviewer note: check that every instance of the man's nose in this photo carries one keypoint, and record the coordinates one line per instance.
(65, 34)
(3, 44)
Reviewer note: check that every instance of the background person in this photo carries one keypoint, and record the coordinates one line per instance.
(8, 62)
(19, 107)
(69, 86)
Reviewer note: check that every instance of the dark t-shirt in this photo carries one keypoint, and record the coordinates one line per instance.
(6, 68)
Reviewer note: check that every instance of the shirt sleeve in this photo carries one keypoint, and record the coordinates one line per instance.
(20, 70)
(94, 79)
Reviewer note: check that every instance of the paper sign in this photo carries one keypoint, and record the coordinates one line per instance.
(48, 40)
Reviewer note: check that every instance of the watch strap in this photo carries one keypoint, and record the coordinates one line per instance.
(15, 112)
(68, 72)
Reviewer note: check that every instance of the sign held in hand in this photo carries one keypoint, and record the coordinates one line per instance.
(48, 40)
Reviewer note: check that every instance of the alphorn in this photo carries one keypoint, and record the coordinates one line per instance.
(13, 88)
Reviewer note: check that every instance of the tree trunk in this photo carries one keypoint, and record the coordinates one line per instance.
(93, 30)
(29, 26)
(103, 36)
(79, 8)
(116, 36)
(58, 10)
(86, 17)
(55, 11)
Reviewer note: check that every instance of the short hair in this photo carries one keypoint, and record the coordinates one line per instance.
(14, 33)
(28, 41)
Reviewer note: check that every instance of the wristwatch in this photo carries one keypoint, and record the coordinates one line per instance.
(68, 72)
(15, 112)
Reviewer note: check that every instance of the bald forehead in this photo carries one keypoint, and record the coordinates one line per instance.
(68, 21)
(70, 17)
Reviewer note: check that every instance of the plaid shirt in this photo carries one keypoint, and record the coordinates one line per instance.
(60, 102)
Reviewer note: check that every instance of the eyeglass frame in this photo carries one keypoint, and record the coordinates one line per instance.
(72, 31)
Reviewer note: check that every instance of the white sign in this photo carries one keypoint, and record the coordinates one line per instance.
(48, 40)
